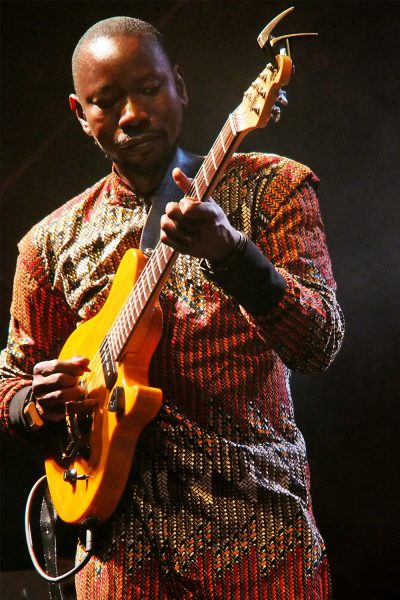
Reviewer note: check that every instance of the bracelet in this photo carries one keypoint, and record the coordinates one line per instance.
(31, 414)
(223, 265)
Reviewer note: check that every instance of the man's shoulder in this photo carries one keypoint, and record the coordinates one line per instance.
(78, 204)
(260, 164)
(68, 214)
(267, 181)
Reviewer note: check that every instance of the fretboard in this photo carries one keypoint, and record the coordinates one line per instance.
(162, 259)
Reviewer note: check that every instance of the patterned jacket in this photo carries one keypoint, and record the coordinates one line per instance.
(219, 494)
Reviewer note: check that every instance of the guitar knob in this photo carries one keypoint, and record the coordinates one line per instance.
(117, 400)
(275, 113)
(71, 475)
(282, 98)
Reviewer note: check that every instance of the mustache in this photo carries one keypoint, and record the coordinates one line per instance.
(134, 138)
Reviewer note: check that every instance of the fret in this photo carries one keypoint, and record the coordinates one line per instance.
(158, 258)
(202, 186)
(152, 279)
(232, 124)
(145, 285)
(209, 165)
(222, 141)
(213, 158)
(165, 255)
(122, 328)
(139, 298)
(113, 344)
(125, 326)
(151, 265)
(131, 306)
(119, 329)
(205, 173)
(157, 262)
(198, 195)
(162, 255)
(135, 310)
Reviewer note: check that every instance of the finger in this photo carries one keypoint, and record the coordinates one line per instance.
(175, 219)
(182, 181)
(51, 407)
(194, 210)
(185, 183)
(42, 385)
(56, 411)
(80, 361)
(59, 397)
(172, 234)
(74, 366)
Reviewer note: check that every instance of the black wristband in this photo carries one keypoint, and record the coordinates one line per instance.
(16, 408)
(230, 260)
(251, 279)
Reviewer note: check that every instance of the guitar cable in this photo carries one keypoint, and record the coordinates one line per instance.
(29, 542)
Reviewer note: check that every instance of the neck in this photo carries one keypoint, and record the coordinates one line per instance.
(143, 181)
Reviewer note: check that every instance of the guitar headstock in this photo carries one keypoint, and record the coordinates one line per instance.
(258, 102)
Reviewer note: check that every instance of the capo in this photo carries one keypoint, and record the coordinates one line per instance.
(266, 41)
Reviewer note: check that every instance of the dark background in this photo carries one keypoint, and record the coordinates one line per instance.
(343, 121)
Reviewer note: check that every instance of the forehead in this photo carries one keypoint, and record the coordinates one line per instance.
(105, 59)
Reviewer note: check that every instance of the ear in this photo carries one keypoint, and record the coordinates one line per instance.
(76, 107)
(180, 85)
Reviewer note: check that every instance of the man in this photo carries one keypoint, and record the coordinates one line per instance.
(218, 502)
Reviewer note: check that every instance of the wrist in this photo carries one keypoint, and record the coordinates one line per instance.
(229, 260)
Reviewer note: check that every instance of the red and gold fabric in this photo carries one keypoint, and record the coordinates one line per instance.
(218, 503)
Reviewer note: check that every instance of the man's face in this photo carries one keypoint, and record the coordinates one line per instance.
(130, 100)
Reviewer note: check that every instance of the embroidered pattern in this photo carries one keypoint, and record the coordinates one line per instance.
(218, 503)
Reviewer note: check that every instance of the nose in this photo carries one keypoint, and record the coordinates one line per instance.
(133, 114)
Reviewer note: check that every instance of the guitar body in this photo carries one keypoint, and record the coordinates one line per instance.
(114, 427)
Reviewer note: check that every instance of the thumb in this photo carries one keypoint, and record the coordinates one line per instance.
(181, 180)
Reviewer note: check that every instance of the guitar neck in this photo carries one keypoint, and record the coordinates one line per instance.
(214, 163)
(159, 265)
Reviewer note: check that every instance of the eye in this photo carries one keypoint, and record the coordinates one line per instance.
(104, 100)
(151, 90)
(104, 103)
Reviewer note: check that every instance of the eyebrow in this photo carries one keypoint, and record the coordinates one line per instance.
(143, 78)
(103, 89)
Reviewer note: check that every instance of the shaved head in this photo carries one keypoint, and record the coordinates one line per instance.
(110, 28)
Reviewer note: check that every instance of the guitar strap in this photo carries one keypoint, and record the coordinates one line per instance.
(48, 519)
(168, 191)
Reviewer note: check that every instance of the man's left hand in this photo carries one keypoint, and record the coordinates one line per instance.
(197, 228)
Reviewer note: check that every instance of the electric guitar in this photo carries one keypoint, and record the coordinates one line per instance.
(88, 467)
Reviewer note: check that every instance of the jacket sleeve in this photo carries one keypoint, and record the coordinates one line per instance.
(283, 282)
(306, 327)
(40, 323)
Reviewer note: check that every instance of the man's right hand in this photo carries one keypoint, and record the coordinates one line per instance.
(56, 382)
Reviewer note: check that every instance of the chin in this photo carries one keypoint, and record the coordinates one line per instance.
(146, 162)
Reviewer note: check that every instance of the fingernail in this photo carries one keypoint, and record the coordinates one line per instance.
(78, 360)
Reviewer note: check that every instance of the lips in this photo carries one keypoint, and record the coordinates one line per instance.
(136, 142)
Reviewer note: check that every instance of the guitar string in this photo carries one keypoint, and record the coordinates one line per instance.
(198, 189)
(216, 154)
(96, 377)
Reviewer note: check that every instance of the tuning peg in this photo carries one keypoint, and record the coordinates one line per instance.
(282, 98)
(275, 113)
